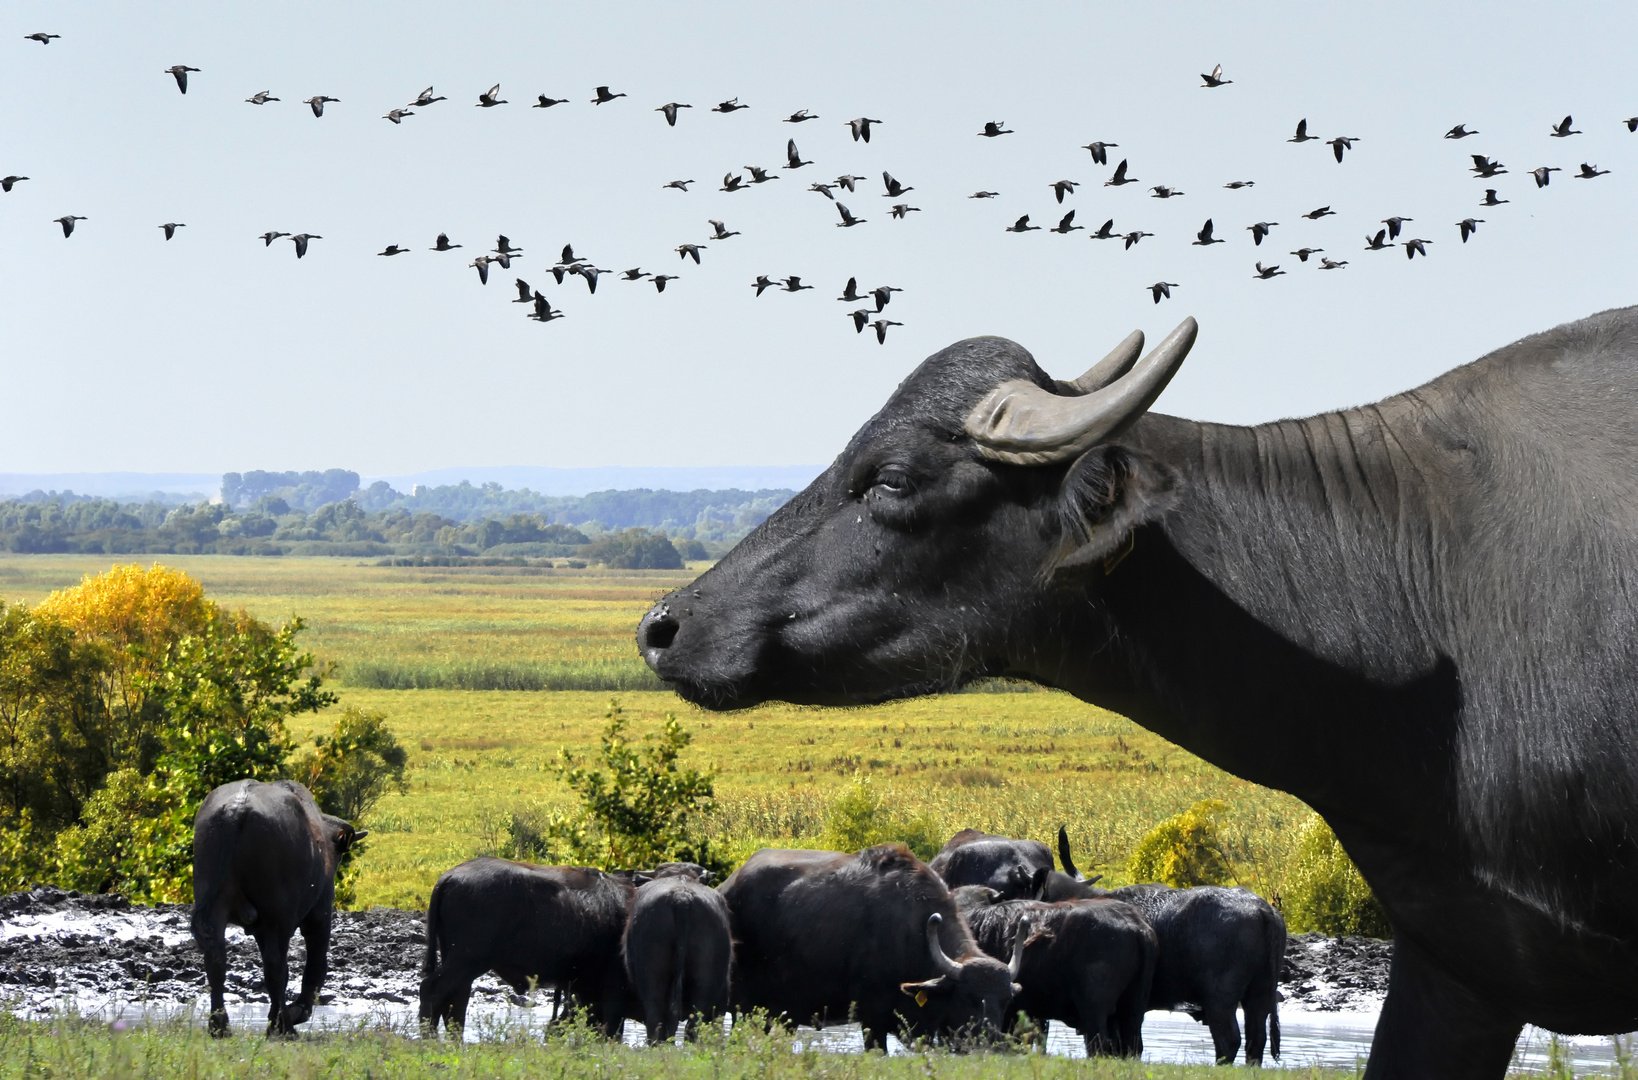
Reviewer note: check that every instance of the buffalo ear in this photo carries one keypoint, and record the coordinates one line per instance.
(922, 991)
(1106, 495)
(1038, 884)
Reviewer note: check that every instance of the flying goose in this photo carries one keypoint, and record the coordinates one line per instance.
(1260, 230)
(762, 284)
(1302, 135)
(1161, 289)
(316, 103)
(481, 265)
(1100, 151)
(1413, 247)
(851, 293)
(881, 326)
(1236, 185)
(503, 246)
(1490, 198)
(732, 182)
(6, 182)
(1332, 264)
(1632, 123)
(1161, 191)
(847, 180)
(1106, 231)
(861, 127)
(985, 195)
(1061, 188)
(392, 249)
(180, 72)
(799, 116)
(1544, 174)
(396, 115)
(568, 258)
(894, 188)
(1341, 143)
(731, 105)
(544, 312)
(1215, 78)
(1023, 225)
(794, 284)
(1469, 226)
(992, 128)
(687, 250)
(722, 231)
(1266, 272)
(1120, 176)
(793, 158)
(1133, 237)
(1379, 242)
(883, 295)
(669, 108)
(636, 273)
(300, 240)
(604, 97)
(823, 189)
(1561, 130)
(759, 175)
(443, 244)
(67, 222)
(1324, 211)
(588, 273)
(861, 319)
(261, 97)
(544, 102)
(170, 228)
(1459, 132)
(424, 98)
(1065, 225)
(1394, 224)
(848, 220)
(660, 280)
(1588, 172)
(267, 238)
(490, 99)
(43, 38)
(1204, 238)
(680, 185)
(898, 210)
(1484, 168)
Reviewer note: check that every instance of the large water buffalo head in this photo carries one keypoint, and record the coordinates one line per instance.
(951, 521)
(968, 997)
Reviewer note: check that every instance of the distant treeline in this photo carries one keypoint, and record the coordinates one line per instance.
(627, 529)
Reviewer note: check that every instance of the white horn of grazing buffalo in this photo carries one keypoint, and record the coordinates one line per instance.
(1021, 424)
(945, 965)
(1105, 371)
(1017, 963)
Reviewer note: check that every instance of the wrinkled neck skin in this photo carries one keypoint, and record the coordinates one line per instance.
(1274, 620)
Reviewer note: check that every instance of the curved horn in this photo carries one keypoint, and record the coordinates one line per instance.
(1016, 964)
(1021, 424)
(1063, 854)
(943, 963)
(1105, 371)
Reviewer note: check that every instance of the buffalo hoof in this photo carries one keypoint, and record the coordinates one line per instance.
(218, 1026)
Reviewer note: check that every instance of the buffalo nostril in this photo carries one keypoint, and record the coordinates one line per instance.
(660, 632)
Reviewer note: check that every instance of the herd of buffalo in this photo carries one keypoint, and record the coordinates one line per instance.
(988, 937)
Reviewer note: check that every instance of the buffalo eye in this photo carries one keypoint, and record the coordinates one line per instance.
(892, 481)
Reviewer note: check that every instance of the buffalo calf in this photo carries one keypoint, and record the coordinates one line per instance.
(1013, 868)
(265, 859)
(530, 925)
(677, 951)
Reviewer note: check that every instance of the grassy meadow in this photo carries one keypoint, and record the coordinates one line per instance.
(1015, 763)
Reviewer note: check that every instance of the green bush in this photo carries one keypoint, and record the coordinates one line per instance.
(349, 770)
(635, 549)
(860, 817)
(637, 811)
(1324, 891)
(1184, 850)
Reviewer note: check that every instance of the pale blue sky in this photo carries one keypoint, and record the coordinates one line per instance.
(121, 351)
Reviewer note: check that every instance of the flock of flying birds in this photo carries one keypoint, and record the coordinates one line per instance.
(570, 264)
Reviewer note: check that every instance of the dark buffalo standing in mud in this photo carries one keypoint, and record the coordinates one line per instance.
(1013, 868)
(823, 938)
(1087, 963)
(530, 925)
(265, 859)
(1220, 950)
(1416, 616)
(677, 951)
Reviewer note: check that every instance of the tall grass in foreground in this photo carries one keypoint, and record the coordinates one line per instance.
(398, 674)
(67, 1047)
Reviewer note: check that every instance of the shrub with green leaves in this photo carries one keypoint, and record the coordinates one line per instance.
(638, 810)
(862, 817)
(1185, 850)
(1324, 891)
(350, 769)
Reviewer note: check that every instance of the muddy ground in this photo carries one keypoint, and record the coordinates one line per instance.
(101, 952)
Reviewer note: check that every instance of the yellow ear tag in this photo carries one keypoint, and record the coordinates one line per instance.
(921, 998)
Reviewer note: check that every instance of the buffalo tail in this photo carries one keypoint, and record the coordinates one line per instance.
(679, 971)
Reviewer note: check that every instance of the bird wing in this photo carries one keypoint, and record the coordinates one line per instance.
(1302, 128)
(1120, 170)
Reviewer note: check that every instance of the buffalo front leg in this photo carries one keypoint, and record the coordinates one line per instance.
(275, 947)
(315, 932)
(1432, 1026)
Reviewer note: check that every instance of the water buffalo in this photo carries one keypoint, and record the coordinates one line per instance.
(1087, 963)
(265, 859)
(1414, 616)
(1220, 949)
(1012, 868)
(823, 937)
(529, 925)
(677, 951)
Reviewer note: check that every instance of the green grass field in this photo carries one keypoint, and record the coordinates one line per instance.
(1014, 763)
